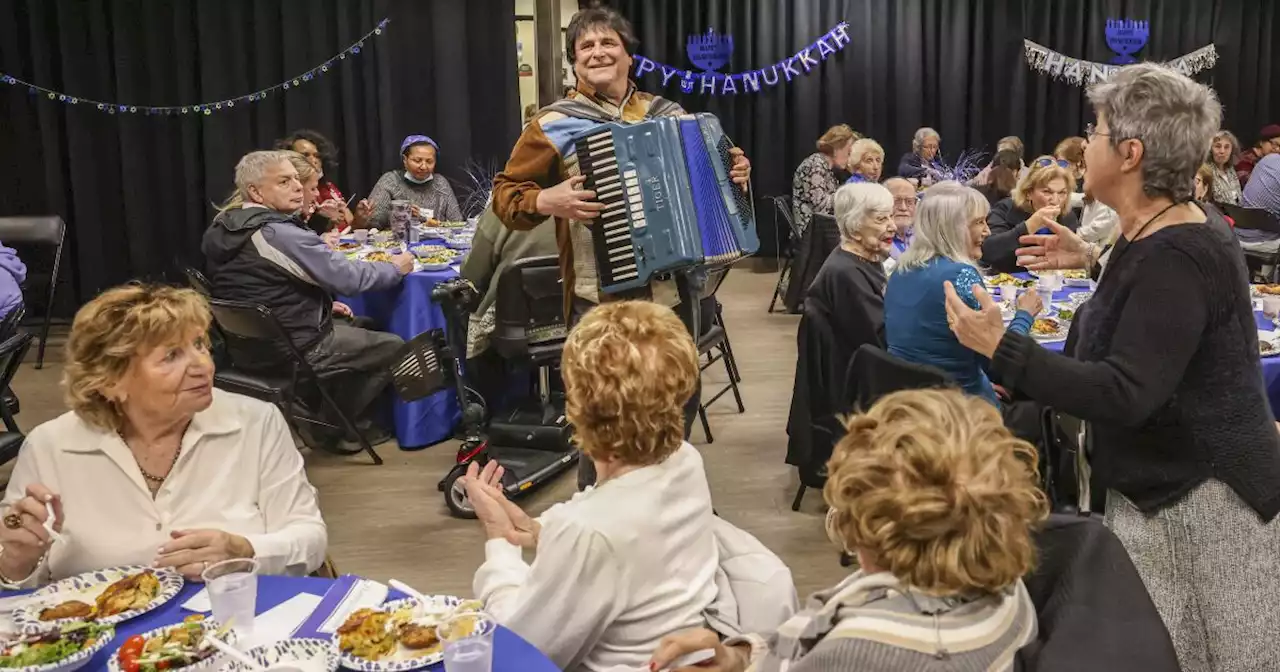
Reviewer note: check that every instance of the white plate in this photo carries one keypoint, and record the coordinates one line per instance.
(1059, 335)
(398, 662)
(76, 660)
(86, 588)
(321, 653)
(210, 663)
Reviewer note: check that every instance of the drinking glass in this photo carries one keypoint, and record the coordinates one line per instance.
(361, 236)
(233, 592)
(468, 642)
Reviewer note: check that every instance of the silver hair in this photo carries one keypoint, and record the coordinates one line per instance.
(1230, 137)
(856, 203)
(895, 179)
(861, 148)
(250, 170)
(1173, 117)
(922, 134)
(941, 226)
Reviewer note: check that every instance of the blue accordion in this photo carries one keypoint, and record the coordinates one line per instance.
(669, 202)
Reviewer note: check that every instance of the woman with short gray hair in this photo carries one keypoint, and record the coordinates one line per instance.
(923, 155)
(1164, 371)
(1223, 154)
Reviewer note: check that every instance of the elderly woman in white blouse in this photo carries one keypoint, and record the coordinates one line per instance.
(152, 466)
(633, 558)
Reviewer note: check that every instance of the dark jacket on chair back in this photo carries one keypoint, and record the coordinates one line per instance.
(259, 255)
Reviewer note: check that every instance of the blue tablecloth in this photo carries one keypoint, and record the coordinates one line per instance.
(406, 310)
(1270, 365)
(511, 653)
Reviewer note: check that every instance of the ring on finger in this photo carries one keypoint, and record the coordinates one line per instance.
(13, 521)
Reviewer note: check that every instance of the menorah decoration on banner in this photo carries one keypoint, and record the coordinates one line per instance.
(711, 51)
(1126, 37)
(205, 108)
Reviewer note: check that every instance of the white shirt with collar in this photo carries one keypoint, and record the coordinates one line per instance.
(617, 568)
(238, 472)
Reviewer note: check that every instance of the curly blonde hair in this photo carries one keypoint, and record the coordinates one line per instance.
(114, 328)
(1039, 176)
(933, 488)
(628, 368)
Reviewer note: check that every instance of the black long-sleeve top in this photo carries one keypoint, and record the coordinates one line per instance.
(1008, 223)
(1165, 367)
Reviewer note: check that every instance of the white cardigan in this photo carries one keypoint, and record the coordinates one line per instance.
(239, 472)
(618, 567)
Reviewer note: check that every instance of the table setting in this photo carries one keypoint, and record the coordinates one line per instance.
(238, 620)
(1068, 290)
(406, 310)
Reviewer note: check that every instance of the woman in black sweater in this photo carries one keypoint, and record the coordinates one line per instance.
(1164, 370)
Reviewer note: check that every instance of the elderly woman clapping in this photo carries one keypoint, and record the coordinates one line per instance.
(152, 466)
(923, 155)
(1165, 373)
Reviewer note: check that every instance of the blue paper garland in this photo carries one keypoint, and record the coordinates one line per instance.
(205, 108)
(801, 63)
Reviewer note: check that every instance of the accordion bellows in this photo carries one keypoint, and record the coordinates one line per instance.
(669, 202)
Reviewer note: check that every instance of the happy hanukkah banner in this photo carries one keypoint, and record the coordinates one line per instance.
(1126, 37)
(711, 51)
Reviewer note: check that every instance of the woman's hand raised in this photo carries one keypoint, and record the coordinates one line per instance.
(23, 535)
(978, 330)
(1059, 250)
(502, 519)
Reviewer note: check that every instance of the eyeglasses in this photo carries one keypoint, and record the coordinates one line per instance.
(905, 202)
(1090, 130)
(1045, 162)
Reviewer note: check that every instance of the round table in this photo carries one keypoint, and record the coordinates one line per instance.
(406, 310)
(511, 653)
(1270, 365)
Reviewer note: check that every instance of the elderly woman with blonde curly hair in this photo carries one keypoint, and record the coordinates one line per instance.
(938, 501)
(152, 466)
(633, 558)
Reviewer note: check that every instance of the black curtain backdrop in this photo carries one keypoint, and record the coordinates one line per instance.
(136, 191)
(955, 65)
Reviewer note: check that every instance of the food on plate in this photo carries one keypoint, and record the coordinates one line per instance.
(1274, 290)
(1266, 347)
(437, 259)
(347, 247)
(132, 592)
(1006, 280)
(173, 649)
(365, 634)
(378, 256)
(1075, 274)
(68, 609)
(437, 224)
(1045, 326)
(416, 636)
(1066, 314)
(50, 647)
(386, 244)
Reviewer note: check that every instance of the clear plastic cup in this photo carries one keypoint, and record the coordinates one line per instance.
(468, 642)
(361, 236)
(233, 592)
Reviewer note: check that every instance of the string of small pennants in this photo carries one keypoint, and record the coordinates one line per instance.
(226, 104)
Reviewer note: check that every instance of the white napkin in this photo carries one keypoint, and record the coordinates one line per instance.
(279, 622)
(365, 594)
(199, 602)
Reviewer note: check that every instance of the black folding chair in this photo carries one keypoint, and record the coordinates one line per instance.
(253, 327)
(27, 235)
(1257, 220)
(12, 352)
(782, 207)
(713, 343)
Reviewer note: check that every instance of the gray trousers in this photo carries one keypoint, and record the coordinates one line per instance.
(689, 311)
(354, 365)
(1212, 568)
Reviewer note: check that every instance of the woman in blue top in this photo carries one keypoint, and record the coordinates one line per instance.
(950, 225)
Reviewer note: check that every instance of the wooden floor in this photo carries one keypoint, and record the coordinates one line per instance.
(390, 522)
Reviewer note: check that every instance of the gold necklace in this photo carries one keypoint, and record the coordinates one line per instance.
(148, 475)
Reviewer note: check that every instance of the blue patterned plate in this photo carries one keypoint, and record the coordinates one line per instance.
(210, 663)
(76, 660)
(402, 659)
(86, 588)
(321, 653)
